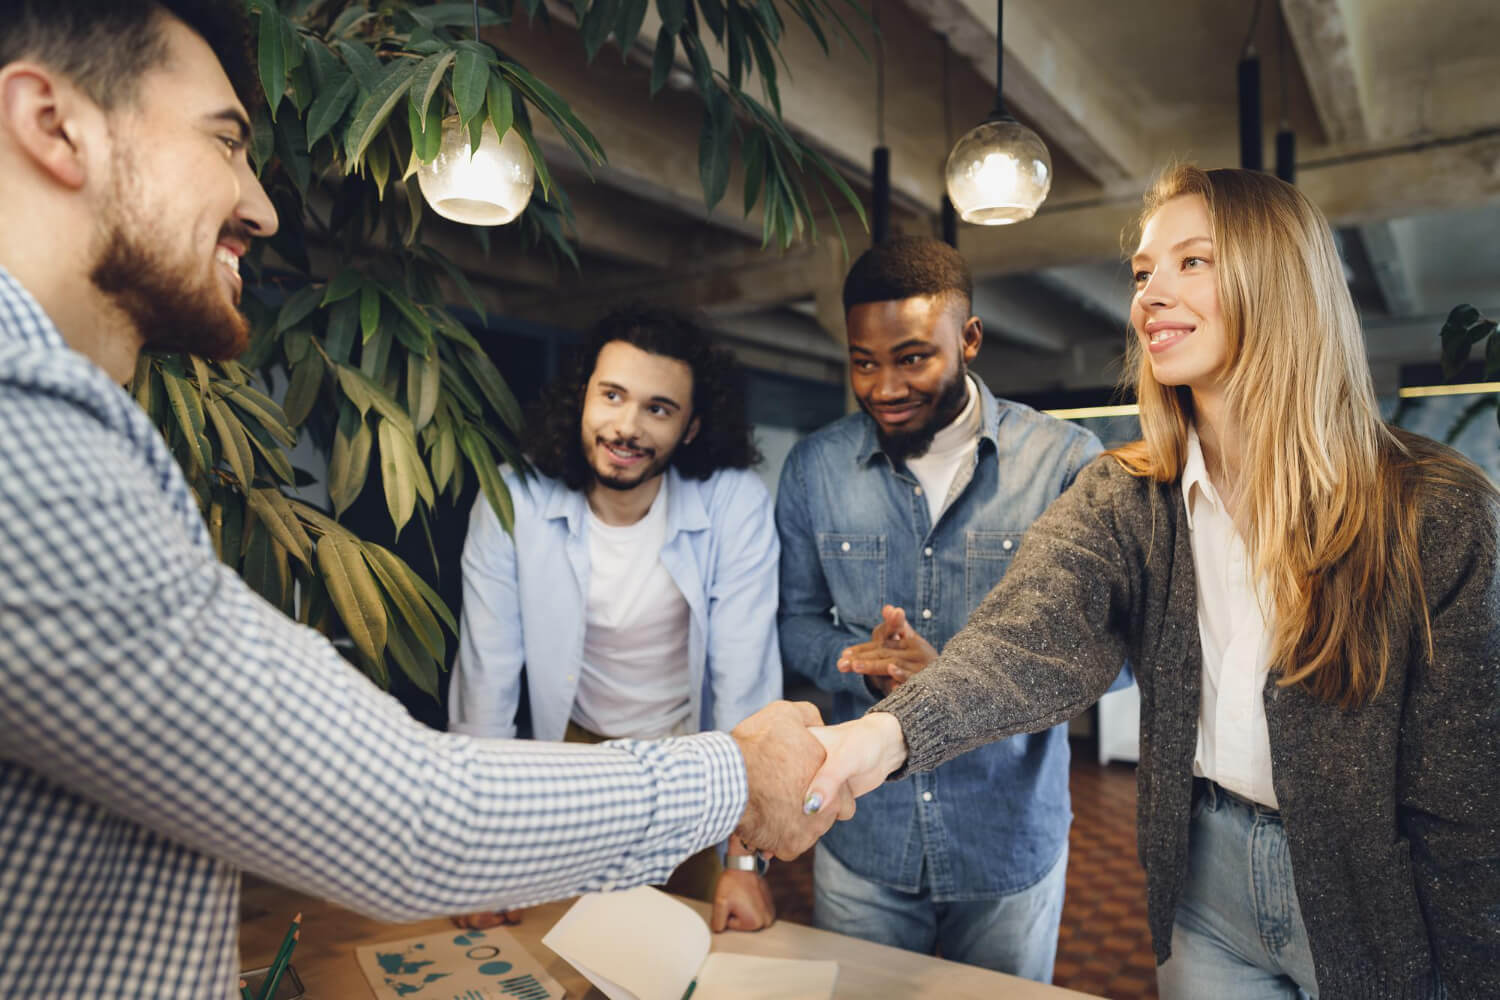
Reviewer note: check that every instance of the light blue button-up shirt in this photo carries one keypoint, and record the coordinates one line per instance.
(526, 595)
(856, 534)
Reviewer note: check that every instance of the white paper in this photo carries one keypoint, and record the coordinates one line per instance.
(639, 944)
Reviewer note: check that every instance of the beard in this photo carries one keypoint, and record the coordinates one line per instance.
(952, 396)
(174, 304)
(655, 466)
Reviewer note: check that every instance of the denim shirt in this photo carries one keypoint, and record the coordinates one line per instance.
(526, 598)
(856, 534)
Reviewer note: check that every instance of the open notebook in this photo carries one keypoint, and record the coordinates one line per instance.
(642, 944)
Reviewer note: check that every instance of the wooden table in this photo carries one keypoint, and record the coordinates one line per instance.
(325, 954)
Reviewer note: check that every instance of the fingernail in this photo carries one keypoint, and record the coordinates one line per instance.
(813, 804)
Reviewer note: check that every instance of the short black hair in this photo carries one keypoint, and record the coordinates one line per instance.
(104, 46)
(724, 439)
(907, 266)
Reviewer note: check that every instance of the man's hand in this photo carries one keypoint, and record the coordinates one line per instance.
(861, 754)
(487, 919)
(781, 757)
(893, 655)
(742, 902)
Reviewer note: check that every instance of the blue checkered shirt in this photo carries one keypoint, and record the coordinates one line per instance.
(163, 728)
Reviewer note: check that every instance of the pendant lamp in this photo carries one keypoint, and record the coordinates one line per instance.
(999, 172)
(488, 186)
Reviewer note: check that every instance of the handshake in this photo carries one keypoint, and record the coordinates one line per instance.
(803, 775)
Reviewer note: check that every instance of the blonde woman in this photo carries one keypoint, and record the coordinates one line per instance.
(1311, 600)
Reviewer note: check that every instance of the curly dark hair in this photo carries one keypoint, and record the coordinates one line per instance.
(905, 267)
(724, 439)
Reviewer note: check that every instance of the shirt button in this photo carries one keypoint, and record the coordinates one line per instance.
(844, 547)
(926, 612)
(1007, 545)
(926, 796)
(918, 491)
(570, 678)
(927, 551)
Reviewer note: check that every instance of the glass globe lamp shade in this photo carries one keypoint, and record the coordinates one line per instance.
(489, 188)
(998, 173)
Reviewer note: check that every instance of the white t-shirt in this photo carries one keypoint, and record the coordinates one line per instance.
(634, 679)
(1234, 746)
(951, 447)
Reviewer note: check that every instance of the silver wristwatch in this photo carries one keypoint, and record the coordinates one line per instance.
(747, 863)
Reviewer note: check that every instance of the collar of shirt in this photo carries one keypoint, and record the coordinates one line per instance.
(990, 416)
(22, 320)
(1195, 477)
(686, 508)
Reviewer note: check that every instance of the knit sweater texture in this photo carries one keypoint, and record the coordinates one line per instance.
(1391, 809)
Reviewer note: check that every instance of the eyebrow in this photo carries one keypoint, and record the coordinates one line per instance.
(234, 117)
(1176, 246)
(904, 345)
(667, 400)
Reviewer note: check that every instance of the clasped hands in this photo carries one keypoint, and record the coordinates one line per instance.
(803, 775)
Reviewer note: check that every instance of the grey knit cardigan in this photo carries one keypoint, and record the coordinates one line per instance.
(1392, 810)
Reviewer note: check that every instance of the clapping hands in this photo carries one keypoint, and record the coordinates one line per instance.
(893, 655)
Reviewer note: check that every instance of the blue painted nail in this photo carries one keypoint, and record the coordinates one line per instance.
(813, 804)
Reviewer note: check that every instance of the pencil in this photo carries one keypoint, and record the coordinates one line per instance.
(283, 955)
(245, 991)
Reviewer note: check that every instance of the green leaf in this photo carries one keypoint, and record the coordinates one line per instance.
(343, 285)
(372, 114)
(493, 385)
(713, 16)
(471, 72)
(628, 21)
(188, 408)
(413, 661)
(661, 59)
(366, 393)
(477, 450)
(442, 457)
(362, 62)
(598, 22)
(298, 306)
(272, 57)
(348, 466)
(395, 475)
(329, 106)
(395, 576)
(369, 310)
(754, 154)
(423, 386)
(427, 80)
(501, 105)
(232, 439)
(276, 513)
(352, 589)
(417, 588)
(272, 452)
(260, 570)
(672, 14)
(343, 323)
(262, 408)
(376, 353)
(713, 148)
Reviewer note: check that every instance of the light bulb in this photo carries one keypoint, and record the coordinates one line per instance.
(998, 173)
(489, 188)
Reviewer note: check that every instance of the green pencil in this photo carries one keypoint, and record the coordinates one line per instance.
(245, 991)
(283, 955)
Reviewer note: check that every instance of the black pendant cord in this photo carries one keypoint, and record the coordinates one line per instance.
(880, 173)
(998, 112)
(1286, 139)
(949, 217)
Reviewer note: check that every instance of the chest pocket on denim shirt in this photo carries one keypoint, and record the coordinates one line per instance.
(854, 566)
(987, 554)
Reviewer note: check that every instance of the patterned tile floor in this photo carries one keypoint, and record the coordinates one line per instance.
(1103, 946)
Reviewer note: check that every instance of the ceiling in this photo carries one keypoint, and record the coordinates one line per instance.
(1393, 103)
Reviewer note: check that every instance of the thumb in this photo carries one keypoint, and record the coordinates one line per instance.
(829, 781)
(897, 620)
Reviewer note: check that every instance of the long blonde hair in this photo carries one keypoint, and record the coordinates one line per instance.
(1328, 493)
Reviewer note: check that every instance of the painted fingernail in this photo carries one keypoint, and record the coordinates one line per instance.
(813, 804)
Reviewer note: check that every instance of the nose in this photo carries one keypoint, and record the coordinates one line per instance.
(889, 384)
(254, 209)
(628, 421)
(1157, 292)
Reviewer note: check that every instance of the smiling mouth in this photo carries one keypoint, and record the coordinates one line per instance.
(1160, 340)
(621, 452)
(231, 263)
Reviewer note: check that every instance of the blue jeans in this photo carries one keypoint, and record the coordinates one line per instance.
(1016, 934)
(1238, 933)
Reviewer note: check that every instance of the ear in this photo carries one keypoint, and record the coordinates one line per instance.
(971, 338)
(39, 114)
(692, 431)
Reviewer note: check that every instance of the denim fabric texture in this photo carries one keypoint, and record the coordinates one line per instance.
(1015, 934)
(1239, 932)
(856, 534)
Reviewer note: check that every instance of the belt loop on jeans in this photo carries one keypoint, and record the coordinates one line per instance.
(1218, 793)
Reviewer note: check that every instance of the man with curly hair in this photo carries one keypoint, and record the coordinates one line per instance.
(637, 591)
